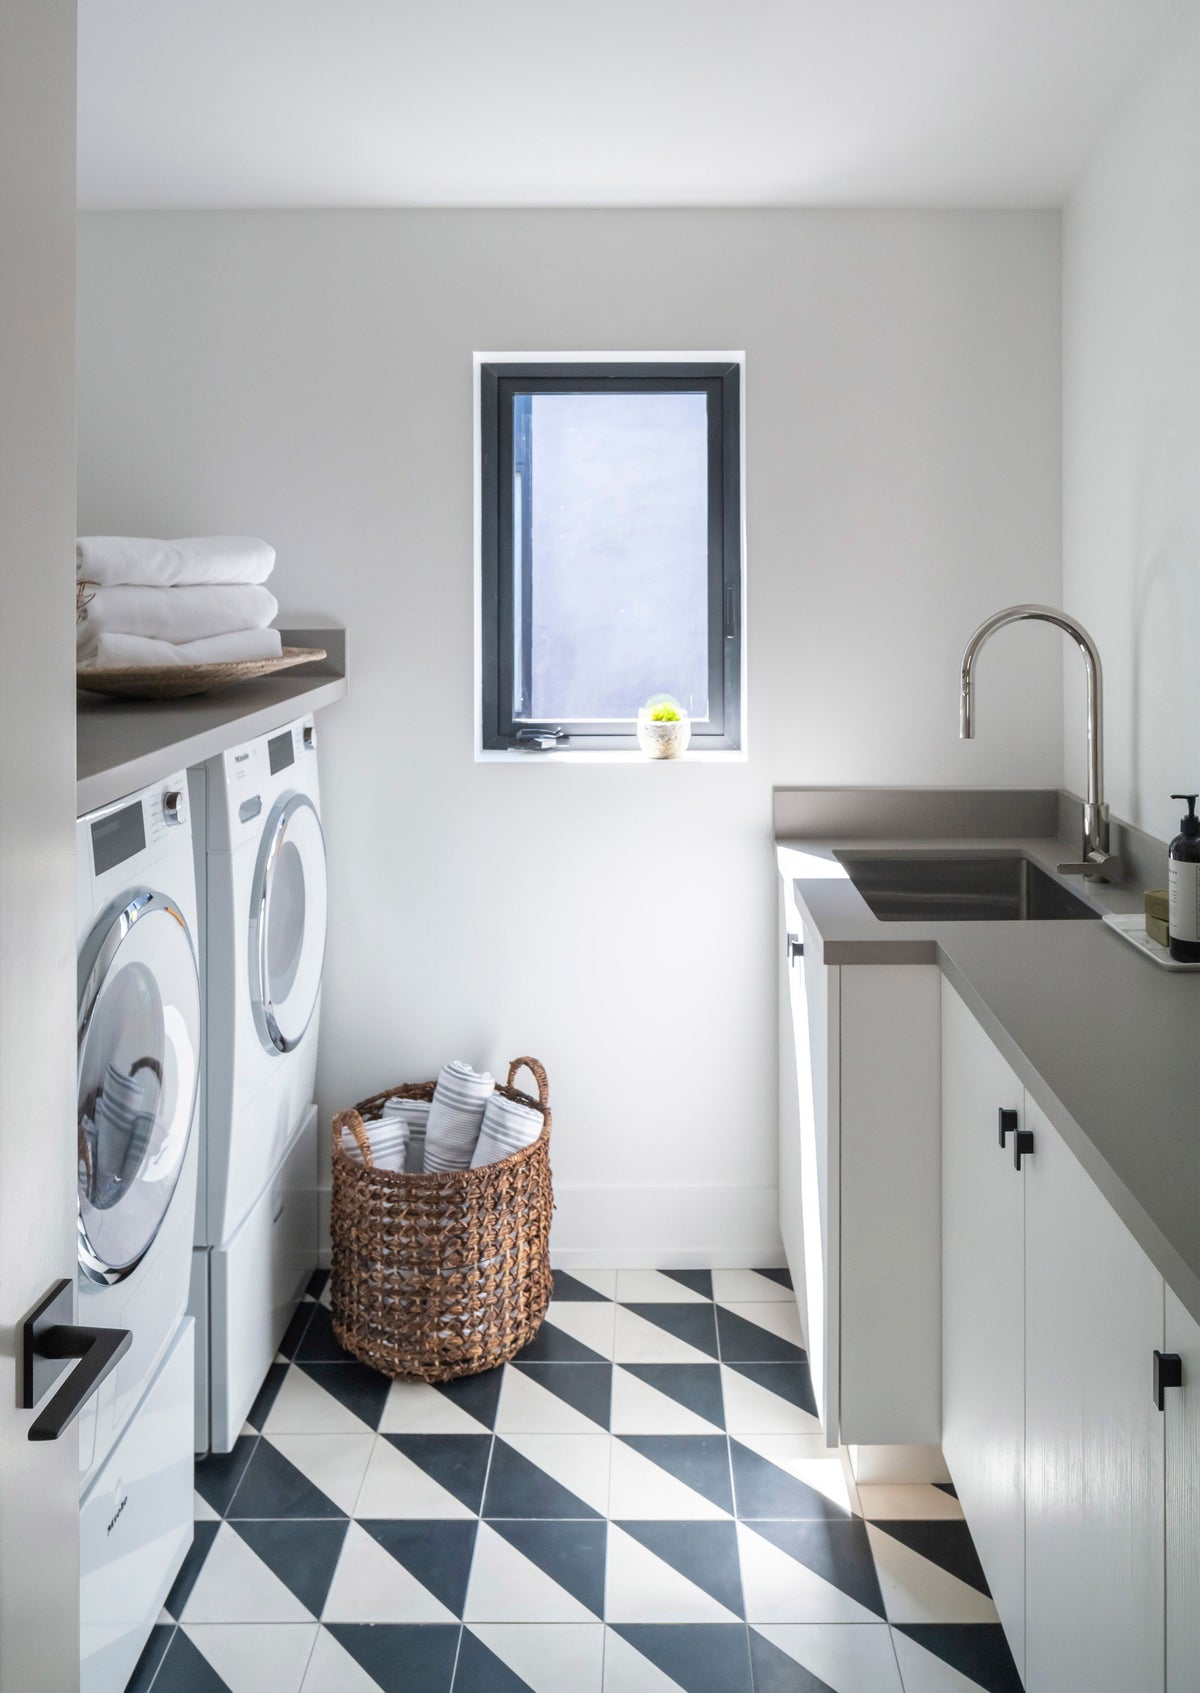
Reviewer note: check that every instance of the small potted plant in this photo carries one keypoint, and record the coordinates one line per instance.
(663, 730)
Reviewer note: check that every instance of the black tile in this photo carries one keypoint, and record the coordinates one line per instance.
(947, 1544)
(947, 1487)
(697, 1387)
(218, 1475)
(402, 1657)
(552, 1345)
(303, 1555)
(361, 1390)
(700, 1657)
(274, 1487)
(977, 1650)
(481, 1671)
(518, 1488)
(568, 1288)
(765, 1490)
(587, 1388)
(706, 1553)
(317, 1339)
(700, 1461)
(268, 1393)
(839, 1552)
(691, 1323)
(203, 1536)
(438, 1553)
(294, 1333)
(185, 1669)
(782, 1278)
(477, 1395)
(152, 1655)
(791, 1382)
(457, 1462)
(570, 1553)
(698, 1281)
(746, 1341)
(775, 1672)
(316, 1284)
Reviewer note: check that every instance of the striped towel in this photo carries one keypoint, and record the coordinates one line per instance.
(507, 1127)
(456, 1116)
(388, 1136)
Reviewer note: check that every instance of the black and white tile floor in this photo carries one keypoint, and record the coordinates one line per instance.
(641, 1503)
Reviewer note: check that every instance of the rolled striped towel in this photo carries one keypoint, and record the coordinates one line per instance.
(507, 1127)
(388, 1136)
(456, 1116)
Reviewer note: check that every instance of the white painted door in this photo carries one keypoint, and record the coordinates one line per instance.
(39, 1483)
(1094, 1527)
(983, 1306)
(1181, 1412)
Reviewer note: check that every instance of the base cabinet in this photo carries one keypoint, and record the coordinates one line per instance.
(1181, 1413)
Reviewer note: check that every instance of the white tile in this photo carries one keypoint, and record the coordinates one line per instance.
(806, 1458)
(506, 1586)
(651, 1287)
(370, 1586)
(642, 1588)
(549, 1657)
(748, 1286)
(640, 1342)
(202, 1511)
(600, 1281)
(588, 1321)
(753, 1409)
(526, 1407)
(777, 1318)
(642, 1492)
(638, 1408)
(235, 1585)
(578, 1462)
(394, 1486)
(907, 1502)
(846, 1658)
(626, 1671)
(777, 1588)
(916, 1590)
(331, 1669)
(413, 1407)
(922, 1672)
(249, 1657)
(336, 1463)
(302, 1406)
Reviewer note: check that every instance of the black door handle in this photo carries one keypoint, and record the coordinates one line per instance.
(1008, 1124)
(1022, 1146)
(795, 948)
(1168, 1372)
(48, 1337)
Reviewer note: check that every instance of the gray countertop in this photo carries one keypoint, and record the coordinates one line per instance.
(1106, 1042)
(123, 745)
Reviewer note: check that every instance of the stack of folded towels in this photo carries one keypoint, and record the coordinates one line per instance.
(200, 600)
(466, 1124)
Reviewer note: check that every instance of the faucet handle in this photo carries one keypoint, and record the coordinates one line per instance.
(1096, 867)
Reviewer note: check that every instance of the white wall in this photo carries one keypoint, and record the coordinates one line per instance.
(1131, 423)
(307, 376)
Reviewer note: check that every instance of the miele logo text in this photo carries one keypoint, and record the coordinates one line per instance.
(240, 757)
(112, 1521)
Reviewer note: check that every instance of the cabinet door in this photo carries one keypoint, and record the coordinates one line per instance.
(1182, 1415)
(1094, 1527)
(983, 1307)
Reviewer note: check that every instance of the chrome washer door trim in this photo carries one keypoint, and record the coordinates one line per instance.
(296, 822)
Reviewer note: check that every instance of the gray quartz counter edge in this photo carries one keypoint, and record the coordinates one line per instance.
(124, 745)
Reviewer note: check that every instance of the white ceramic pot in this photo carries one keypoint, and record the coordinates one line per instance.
(663, 740)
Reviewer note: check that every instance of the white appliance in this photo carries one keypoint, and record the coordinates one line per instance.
(261, 868)
(139, 1057)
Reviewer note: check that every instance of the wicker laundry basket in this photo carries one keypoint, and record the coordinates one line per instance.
(441, 1274)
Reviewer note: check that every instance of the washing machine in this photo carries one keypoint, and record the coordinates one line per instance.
(139, 1065)
(262, 874)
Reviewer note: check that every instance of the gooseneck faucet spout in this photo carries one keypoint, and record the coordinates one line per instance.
(1097, 862)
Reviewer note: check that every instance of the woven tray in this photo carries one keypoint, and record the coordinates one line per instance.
(173, 681)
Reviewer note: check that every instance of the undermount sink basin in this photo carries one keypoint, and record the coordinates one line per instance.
(961, 888)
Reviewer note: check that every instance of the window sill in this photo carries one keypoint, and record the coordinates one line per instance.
(515, 755)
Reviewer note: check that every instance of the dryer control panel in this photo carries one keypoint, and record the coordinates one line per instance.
(137, 826)
(245, 781)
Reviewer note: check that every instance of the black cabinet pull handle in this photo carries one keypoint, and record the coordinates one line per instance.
(1022, 1146)
(1168, 1372)
(1008, 1124)
(795, 948)
(48, 1337)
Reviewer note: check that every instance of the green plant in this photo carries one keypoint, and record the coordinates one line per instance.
(665, 714)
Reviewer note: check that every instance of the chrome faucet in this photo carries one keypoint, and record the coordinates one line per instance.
(1097, 863)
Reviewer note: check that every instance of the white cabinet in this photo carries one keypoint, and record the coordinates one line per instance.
(983, 1306)
(1181, 1410)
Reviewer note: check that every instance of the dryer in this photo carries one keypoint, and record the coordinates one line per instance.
(139, 1063)
(261, 867)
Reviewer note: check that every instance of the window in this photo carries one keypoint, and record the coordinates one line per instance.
(611, 551)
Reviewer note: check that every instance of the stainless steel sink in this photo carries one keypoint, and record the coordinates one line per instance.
(961, 888)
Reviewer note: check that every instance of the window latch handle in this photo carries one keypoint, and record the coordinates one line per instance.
(541, 740)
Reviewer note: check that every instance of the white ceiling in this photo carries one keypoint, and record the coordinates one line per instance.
(197, 103)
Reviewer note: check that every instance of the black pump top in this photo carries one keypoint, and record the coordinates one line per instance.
(1189, 826)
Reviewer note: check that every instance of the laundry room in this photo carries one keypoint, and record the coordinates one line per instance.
(599, 860)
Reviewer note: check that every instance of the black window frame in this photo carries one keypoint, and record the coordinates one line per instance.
(501, 444)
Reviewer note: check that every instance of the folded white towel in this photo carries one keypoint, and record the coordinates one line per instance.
(109, 560)
(173, 614)
(507, 1127)
(387, 1136)
(125, 652)
(456, 1116)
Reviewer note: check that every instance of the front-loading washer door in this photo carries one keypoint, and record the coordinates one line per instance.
(139, 1069)
(288, 904)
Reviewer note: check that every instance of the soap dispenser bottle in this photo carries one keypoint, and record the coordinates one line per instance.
(1184, 885)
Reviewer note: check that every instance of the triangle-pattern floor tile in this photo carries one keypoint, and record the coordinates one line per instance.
(218, 1475)
(809, 1572)
(437, 1553)
(398, 1658)
(706, 1658)
(572, 1553)
(548, 1475)
(395, 1485)
(266, 1396)
(361, 1391)
(332, 1464)
(235, 1585)
(273, 1486)
(480, 1670)
(185, 1669)
(508, 1586)
(458, 1463)
(152, 1655)
(555, 1399)
(251, 1657)
(706, 1553)
(780, 1485)
(945, 1543)
(303, 1562)
(203, 1535)
(918, 1591)
(372, 1586)
(769, 1398)
(641, 1489)
(668, 1399)
(823, 1658)
(700, 1461)
(760, 1333)
(665, 1287)
(304, 1405)
(750, 1286)
(577, 1287)
(555, 1345)
(645, 1588)
(955, 1658)
(544, 1657)
(419, 1407)
(693, 1326)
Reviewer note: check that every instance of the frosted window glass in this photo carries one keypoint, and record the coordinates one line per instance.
(617, 567)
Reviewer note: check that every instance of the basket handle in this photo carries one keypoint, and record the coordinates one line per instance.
(351, 1120)
(538, 1074)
